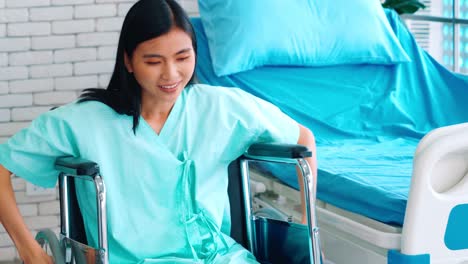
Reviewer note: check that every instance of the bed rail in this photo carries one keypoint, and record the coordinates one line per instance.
(437, 211)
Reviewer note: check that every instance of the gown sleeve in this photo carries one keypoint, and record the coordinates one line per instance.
(274, 125)
(31, 153)
(255, 121)
(269, 123)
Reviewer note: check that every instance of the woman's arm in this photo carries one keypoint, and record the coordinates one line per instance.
(306, 138)
(10, 217)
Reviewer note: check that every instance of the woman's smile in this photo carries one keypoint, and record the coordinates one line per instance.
(169, 87)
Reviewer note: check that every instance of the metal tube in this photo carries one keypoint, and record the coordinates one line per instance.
(244, 168)
(102, 216)
(65, 226)
(309, 192)
(462, 21)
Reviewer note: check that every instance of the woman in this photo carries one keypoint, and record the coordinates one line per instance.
(163, 145)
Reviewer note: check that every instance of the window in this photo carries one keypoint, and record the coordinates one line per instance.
(442, 29)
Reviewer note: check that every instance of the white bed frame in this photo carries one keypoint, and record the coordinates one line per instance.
(439, 183)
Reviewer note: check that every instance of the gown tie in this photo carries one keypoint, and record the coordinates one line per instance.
(203, 235)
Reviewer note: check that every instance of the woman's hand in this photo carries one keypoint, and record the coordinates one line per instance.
(39, 257)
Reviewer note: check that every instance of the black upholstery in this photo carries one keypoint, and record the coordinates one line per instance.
(77, 231)
(235, 192)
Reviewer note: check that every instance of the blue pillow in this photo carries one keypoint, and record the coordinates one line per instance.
(245, 34)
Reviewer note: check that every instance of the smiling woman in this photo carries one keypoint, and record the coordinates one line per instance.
(151, 51)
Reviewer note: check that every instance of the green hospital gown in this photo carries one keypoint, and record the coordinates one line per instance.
(166, 194)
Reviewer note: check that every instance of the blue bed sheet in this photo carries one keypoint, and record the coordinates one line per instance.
(367, 118)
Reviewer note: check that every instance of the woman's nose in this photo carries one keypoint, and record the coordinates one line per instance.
(169, 71)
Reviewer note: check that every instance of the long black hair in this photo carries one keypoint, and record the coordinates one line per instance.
(145, 20)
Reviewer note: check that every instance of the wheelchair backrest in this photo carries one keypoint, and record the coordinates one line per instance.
(76, 226)
(236, 200)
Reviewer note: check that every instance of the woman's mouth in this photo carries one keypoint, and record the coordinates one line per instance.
(169, 86)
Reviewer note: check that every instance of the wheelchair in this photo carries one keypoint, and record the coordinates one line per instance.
(272, 236)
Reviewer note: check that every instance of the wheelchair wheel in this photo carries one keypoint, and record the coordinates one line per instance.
(49, 242)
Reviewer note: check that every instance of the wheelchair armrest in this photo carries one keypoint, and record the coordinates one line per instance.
(275, 150)
(288, 153)
(76, 166)
(71, 221)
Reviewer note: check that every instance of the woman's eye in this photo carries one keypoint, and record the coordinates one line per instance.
(153, 62)
(183, 58)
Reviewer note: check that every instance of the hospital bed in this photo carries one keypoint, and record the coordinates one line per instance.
(392, 149)
(270, 240)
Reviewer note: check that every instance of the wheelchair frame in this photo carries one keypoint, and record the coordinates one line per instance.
(254, 232)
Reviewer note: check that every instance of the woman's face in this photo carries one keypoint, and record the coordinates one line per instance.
(163, 66)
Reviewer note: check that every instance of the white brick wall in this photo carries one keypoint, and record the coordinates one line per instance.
(3, 59)
(50, 50)
(51, 13)
(30, 58)
(4, 115)
(95, 11)
(26, 3)
(3, 88)
(73, 26)
(31, 85)
(28, 29)
(13, 15)
(27, 113)
(14, 44)
(13, 100)
(73, 55)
